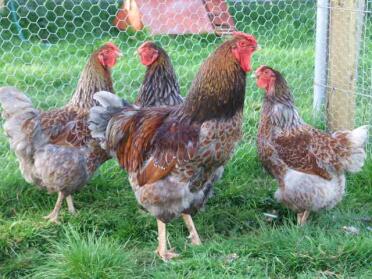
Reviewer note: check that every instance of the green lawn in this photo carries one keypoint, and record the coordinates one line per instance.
(111, 237)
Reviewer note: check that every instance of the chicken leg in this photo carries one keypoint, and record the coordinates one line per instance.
(162, 251)
(194, 236)
(302, 217)
(70, 205)
(53, 216)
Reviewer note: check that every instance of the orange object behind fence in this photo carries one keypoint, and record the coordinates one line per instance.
(128, 15)
(176, 16)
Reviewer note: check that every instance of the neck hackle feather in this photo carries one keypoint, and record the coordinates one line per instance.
(219, 87)
(94, 78)
(160, 86)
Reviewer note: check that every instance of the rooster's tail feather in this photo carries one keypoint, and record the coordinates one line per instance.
(358, 138)
(100, 116)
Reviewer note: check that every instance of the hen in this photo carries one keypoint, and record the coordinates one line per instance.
(54, 148)
(172, 153)
(160, 86)
(309, 165)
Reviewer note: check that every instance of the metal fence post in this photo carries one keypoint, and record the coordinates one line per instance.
(321, 53)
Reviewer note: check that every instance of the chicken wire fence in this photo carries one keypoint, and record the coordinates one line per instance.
(44, 45)
(343, 63)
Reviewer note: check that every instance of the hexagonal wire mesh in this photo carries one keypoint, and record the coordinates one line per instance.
(45, 44)
(349, 66)
(349, 94)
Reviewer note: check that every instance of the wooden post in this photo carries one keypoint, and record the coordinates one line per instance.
(344, 39)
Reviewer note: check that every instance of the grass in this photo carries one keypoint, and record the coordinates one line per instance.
(111, 237)
(86, 257)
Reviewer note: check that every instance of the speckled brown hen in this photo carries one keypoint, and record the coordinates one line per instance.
(173, 153)
(160, 86)
(309, 165)
(54, 148)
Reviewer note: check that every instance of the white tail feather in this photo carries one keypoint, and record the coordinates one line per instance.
(100, 116)
(358, 138)
(107, 99)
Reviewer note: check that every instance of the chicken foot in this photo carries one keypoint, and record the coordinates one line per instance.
(162, 251)
(70, 205)
(302, 217)
(194, 236)
(53, 216)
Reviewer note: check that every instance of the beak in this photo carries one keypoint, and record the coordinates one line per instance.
(258, 48)
(119, 53)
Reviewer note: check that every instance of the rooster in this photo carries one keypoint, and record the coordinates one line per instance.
(160, 86)
(54, 148)
(309, 165)
(172, 154)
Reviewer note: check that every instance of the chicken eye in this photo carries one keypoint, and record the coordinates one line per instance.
(242, 44)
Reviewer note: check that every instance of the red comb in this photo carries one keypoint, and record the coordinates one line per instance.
(144, 44)
(262, 67)
(248, 37)
(110, 45)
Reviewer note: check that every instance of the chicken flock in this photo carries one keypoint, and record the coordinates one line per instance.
(174, 149)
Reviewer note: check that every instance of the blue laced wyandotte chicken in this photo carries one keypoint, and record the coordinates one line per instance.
(173, 154)
(54, 148)
(309, 164)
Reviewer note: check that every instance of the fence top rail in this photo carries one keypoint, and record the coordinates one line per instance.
(345, 9)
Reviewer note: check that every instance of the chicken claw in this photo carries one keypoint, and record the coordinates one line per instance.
(162, 251)
(167, 255)
(302, 217)
(52, 217)
(194, 239)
